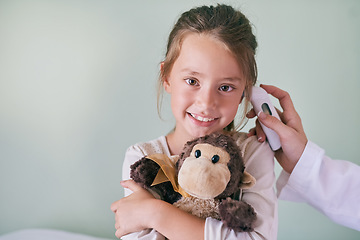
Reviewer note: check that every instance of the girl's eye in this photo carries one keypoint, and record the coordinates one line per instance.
(226, 88)
(191, 82)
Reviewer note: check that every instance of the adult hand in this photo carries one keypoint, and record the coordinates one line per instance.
(290, 130)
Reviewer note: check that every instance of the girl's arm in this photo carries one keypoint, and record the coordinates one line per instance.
(174, 223)
(138, 204)
(140, 210)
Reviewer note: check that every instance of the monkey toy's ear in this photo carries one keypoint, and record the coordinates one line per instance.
(247, 181)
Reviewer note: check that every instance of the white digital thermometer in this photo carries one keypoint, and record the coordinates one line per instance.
(261, 103)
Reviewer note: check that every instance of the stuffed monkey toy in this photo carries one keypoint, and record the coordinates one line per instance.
(205, 180)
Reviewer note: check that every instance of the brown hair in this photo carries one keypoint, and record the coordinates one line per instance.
(225, 24)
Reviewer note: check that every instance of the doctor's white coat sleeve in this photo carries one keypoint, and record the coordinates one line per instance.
(330, 186)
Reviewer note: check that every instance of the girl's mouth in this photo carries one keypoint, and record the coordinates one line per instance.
(202, 119)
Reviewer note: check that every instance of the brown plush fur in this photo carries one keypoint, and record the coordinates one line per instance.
(236, 165)
(235, 214)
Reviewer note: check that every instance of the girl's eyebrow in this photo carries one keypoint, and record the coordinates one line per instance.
(189, 71)
(233, 79)
(192, 72)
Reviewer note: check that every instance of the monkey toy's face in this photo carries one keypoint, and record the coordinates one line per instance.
(205, 173)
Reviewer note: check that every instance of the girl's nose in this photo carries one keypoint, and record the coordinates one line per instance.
(206, 98)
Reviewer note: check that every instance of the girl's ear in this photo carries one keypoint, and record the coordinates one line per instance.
(164, 79)
(162, 67)
(167, 86)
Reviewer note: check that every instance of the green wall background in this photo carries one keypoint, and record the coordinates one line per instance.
(78, 86)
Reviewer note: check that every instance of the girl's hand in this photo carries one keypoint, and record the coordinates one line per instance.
(290, 130)
(130, 212)
(140, 210)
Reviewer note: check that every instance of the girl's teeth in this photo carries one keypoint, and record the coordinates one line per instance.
(202, 119)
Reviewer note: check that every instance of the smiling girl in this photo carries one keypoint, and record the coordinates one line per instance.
(208, 71)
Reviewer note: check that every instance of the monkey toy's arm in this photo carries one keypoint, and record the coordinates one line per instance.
(144, 171)
(237, 215)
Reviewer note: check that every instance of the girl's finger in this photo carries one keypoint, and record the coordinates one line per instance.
(131, 185)
(119, 233)
(114, 206)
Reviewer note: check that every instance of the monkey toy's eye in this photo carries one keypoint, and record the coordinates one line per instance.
(197, 153)
(215, 158)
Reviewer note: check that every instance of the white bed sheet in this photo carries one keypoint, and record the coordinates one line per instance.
(47, 234)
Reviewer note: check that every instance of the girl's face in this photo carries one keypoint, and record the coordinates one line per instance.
(206, 86)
